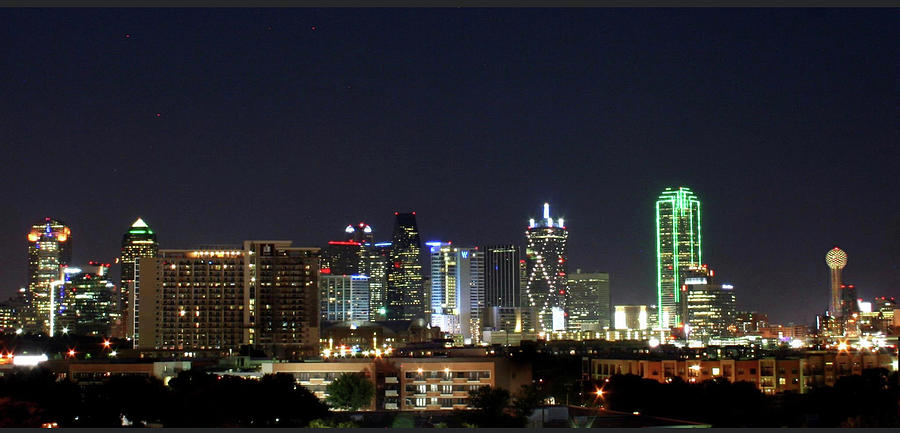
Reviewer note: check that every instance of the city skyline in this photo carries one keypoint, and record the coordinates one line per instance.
(790, 113)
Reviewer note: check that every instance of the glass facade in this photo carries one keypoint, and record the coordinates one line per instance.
(457, 290)
(678, 248)
(88, 306)
(589, 302)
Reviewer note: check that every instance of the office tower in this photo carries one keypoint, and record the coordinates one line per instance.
(707, 309)
(405, 294)
(344, 298)
(678, 248)
(631, 317)
(376, 265)
(192, 300)
(282, 297)
(139, 241)
(589, 303)
(502, 288)
(836, 259)
(49, 251)
(88, 307)
(457, 290)
(546, 260)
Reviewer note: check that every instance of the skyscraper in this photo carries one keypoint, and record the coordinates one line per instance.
(88, 305)
(405, 295)
(707, 309)
(283, 292)
(139, 241)
(678, 248)
(589, 303)
(546, 256)
(376, 266)
(344, 298)
(502, 287)
(457, 290)
(49, 251)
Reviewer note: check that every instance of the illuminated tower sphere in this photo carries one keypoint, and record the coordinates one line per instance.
(678, 248)
(546, 283)
(49, 251)
(836, 259)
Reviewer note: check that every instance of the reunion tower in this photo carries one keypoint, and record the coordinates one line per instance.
(836, 259)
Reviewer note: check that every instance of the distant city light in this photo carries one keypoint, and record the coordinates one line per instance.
(28, 360)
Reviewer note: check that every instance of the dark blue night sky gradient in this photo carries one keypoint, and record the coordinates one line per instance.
(785, 123)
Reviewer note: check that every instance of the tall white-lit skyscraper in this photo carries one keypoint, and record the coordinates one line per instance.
(678, 248)
(546, 284)
(457, 290)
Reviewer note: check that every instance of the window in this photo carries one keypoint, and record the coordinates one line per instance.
(752, 371)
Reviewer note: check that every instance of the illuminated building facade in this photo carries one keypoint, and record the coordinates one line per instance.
(139, 241)
(405, 296)
(589, 301)
(192, 300)
(344, 298)
(678, 248)
(457, 290)
(546, 260)
(707, 309)
(49, 252)
(88, 307)
(631, 317)
(282, 297)
(375, 264)
(503, 288)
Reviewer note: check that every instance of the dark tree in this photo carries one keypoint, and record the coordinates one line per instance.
(351, 391)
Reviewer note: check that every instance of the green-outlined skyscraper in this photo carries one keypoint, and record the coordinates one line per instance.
(678, 248)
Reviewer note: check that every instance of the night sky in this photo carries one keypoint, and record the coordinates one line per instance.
(218, 126)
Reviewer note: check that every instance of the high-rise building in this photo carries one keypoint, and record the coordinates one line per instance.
(678, 248)
(589, 301)
(139, 241)
(88, 307)
(502, 288)
(217, 300)
(283, 293)
(192, 300)
(457, 290)
(405, 295)
(344, 298)
(49, 252)
(376, 265)
(546, 258)
(707, 309)
(836, 259)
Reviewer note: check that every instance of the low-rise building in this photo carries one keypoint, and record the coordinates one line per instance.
(412, 383)
(769, 374)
